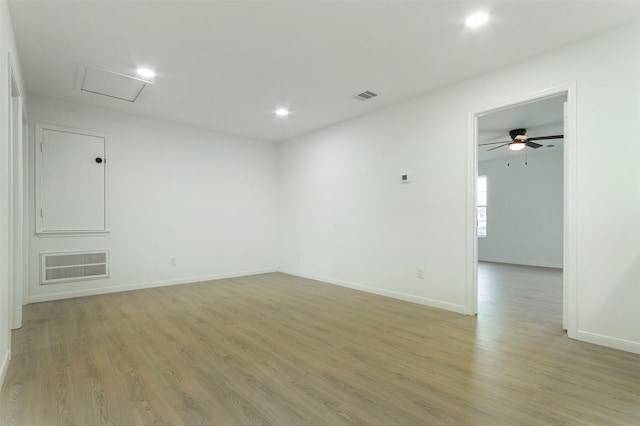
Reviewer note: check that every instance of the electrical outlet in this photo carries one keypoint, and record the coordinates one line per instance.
(420, 272)
(172, 261)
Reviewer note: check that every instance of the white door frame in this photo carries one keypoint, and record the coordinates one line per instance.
(26, 206)
(16, 201)
(570, 246)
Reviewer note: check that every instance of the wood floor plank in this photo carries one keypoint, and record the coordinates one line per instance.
(274, 349)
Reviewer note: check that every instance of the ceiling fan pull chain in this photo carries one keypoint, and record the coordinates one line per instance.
(526, 163)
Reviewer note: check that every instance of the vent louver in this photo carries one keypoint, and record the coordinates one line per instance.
(61, 267)
(366, 95)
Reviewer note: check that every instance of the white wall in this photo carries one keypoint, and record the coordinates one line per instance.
(345, 218)
(525, 210)
(7, 46)
(207, 199)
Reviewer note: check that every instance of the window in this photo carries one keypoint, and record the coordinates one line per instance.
(482, 206)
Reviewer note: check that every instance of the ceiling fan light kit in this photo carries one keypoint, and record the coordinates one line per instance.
(517, 145)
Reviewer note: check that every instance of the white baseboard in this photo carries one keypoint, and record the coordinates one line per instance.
(45, 297)
(383, 292)
(521, 262)
(5, 366)
(610, 342)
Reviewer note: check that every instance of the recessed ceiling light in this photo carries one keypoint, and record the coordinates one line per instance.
(477, 19)
(145, 72)
(282, 112)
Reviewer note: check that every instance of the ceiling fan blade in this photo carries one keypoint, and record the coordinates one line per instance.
(532, 144)
(498, 146)
(493, 143)
(541, 138)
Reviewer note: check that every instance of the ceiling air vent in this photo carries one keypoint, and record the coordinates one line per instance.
(366, 95)
(109, 83)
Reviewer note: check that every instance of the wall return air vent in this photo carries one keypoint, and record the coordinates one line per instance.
(365, 96)
(59, 267)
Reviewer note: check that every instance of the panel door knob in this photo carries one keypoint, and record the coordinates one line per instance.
(98, 160)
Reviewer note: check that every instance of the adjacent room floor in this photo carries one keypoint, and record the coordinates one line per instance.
(275, 349)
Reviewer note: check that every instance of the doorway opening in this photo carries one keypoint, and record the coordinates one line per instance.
(523, 209)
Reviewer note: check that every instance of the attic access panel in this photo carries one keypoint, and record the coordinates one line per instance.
(109, 83)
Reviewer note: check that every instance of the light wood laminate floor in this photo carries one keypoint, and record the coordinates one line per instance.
(275, 349)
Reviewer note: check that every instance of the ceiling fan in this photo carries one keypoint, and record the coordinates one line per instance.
(519, 140)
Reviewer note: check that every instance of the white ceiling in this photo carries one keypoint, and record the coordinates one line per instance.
(226, 66)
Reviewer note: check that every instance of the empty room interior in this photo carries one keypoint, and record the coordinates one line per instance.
(320, 212)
